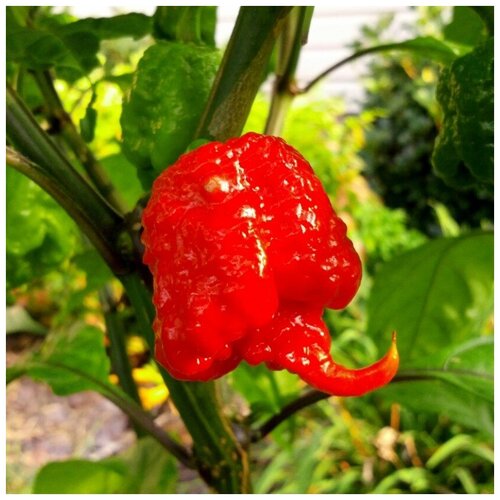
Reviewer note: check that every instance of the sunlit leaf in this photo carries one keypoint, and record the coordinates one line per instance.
(146, 468)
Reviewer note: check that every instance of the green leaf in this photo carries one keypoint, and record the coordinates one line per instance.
(417, 478)
(69, 47)
(461, 442)
(438, 298)
(468, 366)
(78, 476)
(460, 386)
(437, 295)
(149, 469)
(18, 320)
(123, 175)
(428, 47)
(13, 373)
(98, 273)
(463, 152)
(465, 28)
(71, 361)
(108, 28)
(40, 236)
(265, 390)
(143, 469)
(73, 55)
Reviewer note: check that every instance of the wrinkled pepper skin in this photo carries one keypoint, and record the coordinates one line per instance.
(160, 112)
(246, 251)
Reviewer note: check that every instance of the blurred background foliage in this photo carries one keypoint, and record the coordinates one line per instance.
(428, 437)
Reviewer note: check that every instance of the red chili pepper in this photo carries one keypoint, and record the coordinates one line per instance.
(246, 253)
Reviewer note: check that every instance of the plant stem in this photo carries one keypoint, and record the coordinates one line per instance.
(93, 168)
(221, 460)
(313, 396)
(118, 349)
(241, 71)
(285, 88)
(360, 53)
(130, 408)
(308, 399)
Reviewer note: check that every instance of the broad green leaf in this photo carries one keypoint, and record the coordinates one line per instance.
(441, 398)
(468, 366)
(78, 476)
(460, 384)
(435, 296)
(150, 469)
(73, 55)
(69, 47)
(428, 47)
(71, 361)
(465, 28)
(40, 236)
(146, 468)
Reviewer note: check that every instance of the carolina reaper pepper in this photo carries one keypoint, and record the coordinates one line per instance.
(246, 253)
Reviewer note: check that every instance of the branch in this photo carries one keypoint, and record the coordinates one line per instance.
(221, 460)
(285, 88)
(101, 237)
(131, 409)
(310, 398)
(118, 348)
(430, 47)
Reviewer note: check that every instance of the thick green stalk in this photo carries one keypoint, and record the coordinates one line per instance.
(285, 88)
(220, 459)
(50, 168)
(118, 348)
(241, 71)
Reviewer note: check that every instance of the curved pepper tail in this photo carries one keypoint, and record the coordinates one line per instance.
(341, 381)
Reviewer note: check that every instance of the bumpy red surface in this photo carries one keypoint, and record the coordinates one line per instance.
(246, 252)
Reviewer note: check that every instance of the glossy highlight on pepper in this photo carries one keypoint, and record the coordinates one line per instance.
(246, 252)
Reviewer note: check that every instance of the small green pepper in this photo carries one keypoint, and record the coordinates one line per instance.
(168, 94)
